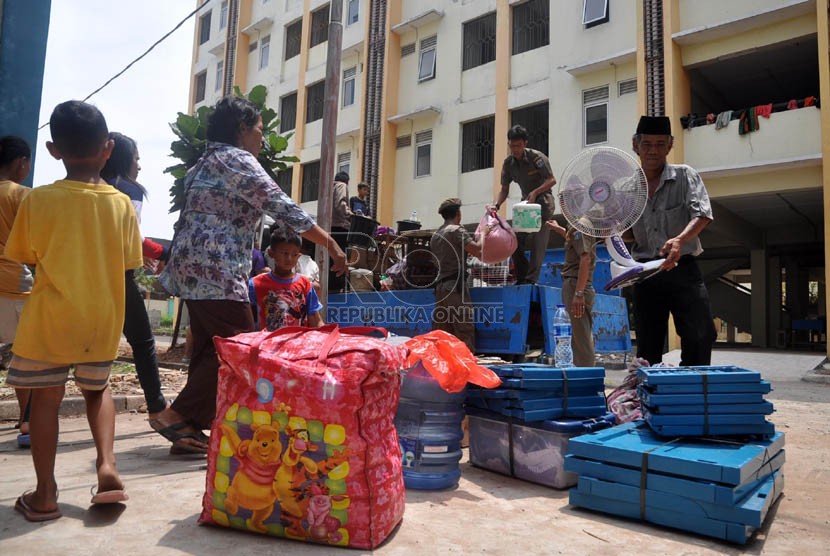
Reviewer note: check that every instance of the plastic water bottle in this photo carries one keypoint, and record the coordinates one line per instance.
(414, 216)
(563, 355)
(428, 422)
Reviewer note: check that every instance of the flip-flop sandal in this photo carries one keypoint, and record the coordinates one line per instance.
(108, 496)
(32, 514)
(184, 448)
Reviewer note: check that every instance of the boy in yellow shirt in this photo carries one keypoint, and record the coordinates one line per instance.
(82, 235)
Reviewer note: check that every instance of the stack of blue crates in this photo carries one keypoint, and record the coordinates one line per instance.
(535, 392)
(705, 401)
(717, 487)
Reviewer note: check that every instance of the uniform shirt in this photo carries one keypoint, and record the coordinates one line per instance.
(577, 243)
(15, 278)
(280, 302)
(679, 197)
(226, 193)
(83, 238)
(530, 172)
(340, 208)
(447, 244)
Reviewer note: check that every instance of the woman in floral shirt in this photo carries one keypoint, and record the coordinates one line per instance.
(226, 193)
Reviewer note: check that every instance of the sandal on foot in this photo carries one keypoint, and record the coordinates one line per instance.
(108, 496)
(24, 441)
(185, 448)
(32, 514)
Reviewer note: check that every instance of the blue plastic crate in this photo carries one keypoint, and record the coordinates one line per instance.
(653, 376)
(704, 491)
(551, 271)
(540, 371)
(555, 384)
(726, 462)
(659, 400)
(507, 309)
(762, 387)
(764, 408)
(611, 330)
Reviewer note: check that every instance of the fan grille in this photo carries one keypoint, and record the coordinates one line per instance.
(603, 191)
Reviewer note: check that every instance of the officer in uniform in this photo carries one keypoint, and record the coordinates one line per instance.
(577, 291)
(531, 170)
(451, 244)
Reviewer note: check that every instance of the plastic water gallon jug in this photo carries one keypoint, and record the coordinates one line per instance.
(527, 217)
(428, 422)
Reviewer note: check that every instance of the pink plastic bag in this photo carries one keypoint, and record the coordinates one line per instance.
(497, 237)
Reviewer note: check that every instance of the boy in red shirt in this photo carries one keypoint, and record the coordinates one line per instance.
(282, 297)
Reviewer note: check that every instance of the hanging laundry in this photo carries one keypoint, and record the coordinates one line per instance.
(710, 118)
(792, 105)
(764, 110)
(748, 121)
(809, 101)
(723, 119)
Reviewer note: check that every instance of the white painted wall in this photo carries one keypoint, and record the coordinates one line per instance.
(702, 13)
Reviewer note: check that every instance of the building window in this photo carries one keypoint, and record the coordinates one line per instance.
(319, 26)
(426, 63)
(315, 95)
(353, 12)
(626, 87)
(284, 180)
(479, 41)
(403, 141)
(264, 51)
(219, 67)
(535, 120)
(594, 12)
(223, 15)
(293, 39)
(595, 110)
(288, 112)
(311, 181)
(407, 49)
(344, 162)
(204, 28)
(349, 79)
(477, 139)
(423, 153)
(531, 25)
(200, 86)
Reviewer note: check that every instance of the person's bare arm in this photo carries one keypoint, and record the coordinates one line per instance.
(554, 226)
(671, 249)
(473, 248)
(546, 186)
(315, 320)
(319, 236)
(578, 304)
(502, 196)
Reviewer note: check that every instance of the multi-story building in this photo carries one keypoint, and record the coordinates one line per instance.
(430, 87)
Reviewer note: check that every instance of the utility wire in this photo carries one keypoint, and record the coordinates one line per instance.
(146, 52)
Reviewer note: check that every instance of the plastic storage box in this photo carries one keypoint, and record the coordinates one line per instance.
(538, 451)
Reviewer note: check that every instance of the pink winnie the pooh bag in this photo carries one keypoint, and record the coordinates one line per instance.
(304, 443)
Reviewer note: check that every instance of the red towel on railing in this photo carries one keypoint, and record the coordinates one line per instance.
(792, 105)
(809, 101)
(763, 110)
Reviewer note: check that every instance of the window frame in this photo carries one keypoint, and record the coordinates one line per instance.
(604, 18)
(419, 143)
(606, 102)
(467, 28)
(223, 14)
(520, 41)
(292, 38)
(356, 4)
(283, 120)
(319, 32)
(469, 147)
(204, 27)
(264, 51)
(200, 78)
(346, 80)
(219, 74)
(283, 176)
(314, 88)
(534, 131)
(307, 186)
(345, 164)
(432, 48)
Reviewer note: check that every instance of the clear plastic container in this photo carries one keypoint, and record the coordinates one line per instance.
(428, 422)
(563, 353)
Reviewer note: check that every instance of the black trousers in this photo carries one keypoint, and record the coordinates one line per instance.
(682, 293)
(341, 236)
(139, 335)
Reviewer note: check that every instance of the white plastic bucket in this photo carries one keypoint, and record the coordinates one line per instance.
(527, 217)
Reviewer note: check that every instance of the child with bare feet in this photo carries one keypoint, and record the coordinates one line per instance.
(75, 313)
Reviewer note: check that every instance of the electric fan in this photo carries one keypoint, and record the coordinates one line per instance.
(603, 192)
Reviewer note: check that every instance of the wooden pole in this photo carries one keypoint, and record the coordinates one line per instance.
(328, 143)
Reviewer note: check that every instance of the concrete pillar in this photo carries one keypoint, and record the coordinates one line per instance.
(774, 313)
(758, 266)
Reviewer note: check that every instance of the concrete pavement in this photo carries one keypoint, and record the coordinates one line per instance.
(487, 513)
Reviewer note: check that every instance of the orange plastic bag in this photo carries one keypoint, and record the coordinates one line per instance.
(449, 361)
